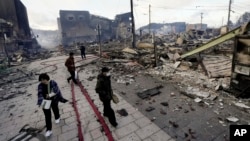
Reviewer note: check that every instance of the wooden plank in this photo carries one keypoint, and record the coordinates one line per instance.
(231, 34)
(217, 66)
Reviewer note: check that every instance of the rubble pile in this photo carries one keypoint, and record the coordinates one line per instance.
(200, 80)
(14, 81)
(205, 76)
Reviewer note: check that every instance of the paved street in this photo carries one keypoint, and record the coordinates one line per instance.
(21, 110)
(169, 115)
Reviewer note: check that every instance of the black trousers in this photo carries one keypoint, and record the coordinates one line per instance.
(47, 113)
(72, 76)
(83, 54)
(109, 112)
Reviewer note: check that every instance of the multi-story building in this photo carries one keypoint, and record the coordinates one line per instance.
(14, 25)
(14, 11)
(81, 26)
(122, 25)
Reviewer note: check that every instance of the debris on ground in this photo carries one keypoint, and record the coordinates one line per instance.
(122, 112)
(149, 109)
(150, 92)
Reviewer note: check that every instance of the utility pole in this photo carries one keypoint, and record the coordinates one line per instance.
(229, 11)
(149, 19)
(201, 20)
(5, 49)
(133, 24)
(155, 50)
(99, 36)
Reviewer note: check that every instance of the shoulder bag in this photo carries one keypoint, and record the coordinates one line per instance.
(115, 98)
(46, 103)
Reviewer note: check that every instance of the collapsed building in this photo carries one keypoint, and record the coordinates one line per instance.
(15, 33)
(196, 27)
(81, 26)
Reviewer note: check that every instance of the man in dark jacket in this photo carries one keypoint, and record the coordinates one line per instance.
(70, 64)
(103, 88)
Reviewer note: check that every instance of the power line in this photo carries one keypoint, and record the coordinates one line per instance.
(245, 7)
(210, 6)
(137, 17)
(243, 4)
(238, 10)
(171, 8)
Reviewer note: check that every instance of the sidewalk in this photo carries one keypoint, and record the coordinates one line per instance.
(22, 110)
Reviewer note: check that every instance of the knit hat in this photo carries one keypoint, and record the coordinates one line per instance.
(105, 69)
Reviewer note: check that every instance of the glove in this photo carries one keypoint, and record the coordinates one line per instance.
(52, 94)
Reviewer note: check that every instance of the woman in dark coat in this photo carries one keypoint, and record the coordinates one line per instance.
(103, 88)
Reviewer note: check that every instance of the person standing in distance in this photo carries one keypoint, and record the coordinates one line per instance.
(104, 89)
(82, 48)
(70, 64)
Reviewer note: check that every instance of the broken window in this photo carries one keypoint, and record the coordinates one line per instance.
(70, 18)
(80, 17)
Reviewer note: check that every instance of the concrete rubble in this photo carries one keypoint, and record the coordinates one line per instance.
(197, 84)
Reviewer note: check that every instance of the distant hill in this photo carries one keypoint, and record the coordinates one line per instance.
(243, 19)
(153, 26)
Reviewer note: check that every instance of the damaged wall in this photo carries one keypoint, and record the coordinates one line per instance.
(122, 25)
(80, 26)
(15, 25)
(15, 12)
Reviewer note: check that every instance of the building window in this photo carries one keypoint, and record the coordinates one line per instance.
(80, 17)
(70, 18)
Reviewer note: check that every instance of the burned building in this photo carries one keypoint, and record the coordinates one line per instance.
(178, 27)
(165, 28)
(197, 26)
(122, 25)
(14, 25)
(81, 26)
(15, 12)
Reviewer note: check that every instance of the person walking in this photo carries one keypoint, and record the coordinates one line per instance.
(104, 89)
(70, 64)
(48, 90)
(82, 48)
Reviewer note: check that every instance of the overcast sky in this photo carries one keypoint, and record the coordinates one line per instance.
(43, 13)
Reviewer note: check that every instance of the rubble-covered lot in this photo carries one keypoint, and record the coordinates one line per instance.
(192, 105)
(194, 102)
(184, 98)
